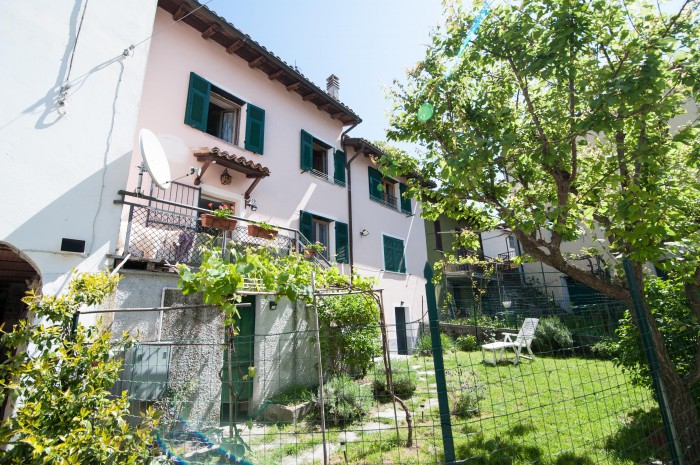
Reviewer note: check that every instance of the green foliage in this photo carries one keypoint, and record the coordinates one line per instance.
(345, 400)
(350, 333)
(605, 349)
(466, 343)
(679, 328)
(294, 394)
(552, 337)
(67, 413)
(403, 380)
(466, 392)
(424, 344)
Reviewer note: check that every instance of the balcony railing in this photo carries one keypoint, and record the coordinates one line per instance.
(159, 230)
(387, 200)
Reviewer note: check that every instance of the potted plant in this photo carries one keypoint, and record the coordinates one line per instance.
(262, 230)
(311, 250)
(219, 218)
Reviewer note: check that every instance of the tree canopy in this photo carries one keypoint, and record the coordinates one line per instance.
(567, 120)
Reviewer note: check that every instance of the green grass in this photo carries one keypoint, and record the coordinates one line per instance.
(552, 411)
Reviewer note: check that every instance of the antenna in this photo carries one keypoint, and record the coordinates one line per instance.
(154, 160)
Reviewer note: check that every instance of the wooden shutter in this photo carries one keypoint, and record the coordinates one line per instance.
(339, 165)
(255, 129)
(389, 254)
(342, 254)
(307, 151)
(375, 184)
(399, 257)
(405, 201)
(306, 226)
(197, 102)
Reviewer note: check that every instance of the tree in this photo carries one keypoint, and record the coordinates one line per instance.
(564, 119)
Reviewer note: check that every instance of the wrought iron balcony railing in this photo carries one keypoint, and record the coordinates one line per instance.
(160, 230)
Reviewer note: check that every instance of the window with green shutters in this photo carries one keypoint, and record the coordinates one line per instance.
(342, 251)
(218, 113)
(306, 225)
(307, 151)
(394, 259)
(314, 158)
(375, 184)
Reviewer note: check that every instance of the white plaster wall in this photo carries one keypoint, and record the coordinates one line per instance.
(380, 220)
(61, 173)
(495, 242)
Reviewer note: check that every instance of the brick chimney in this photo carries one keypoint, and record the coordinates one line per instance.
(333, 86)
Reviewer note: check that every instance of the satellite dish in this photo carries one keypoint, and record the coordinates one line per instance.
(154, 158)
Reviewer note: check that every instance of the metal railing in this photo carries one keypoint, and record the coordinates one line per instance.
(159, 230)
(387, 200)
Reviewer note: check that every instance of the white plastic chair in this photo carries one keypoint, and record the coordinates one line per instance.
(522, 340)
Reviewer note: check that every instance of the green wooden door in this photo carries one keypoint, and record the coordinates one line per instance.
(240, 360)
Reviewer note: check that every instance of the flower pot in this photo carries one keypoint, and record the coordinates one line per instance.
(310, 253)
(217, 222)
(256, 231)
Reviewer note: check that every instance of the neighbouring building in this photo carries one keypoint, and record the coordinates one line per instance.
(71, 87)
(264, 139)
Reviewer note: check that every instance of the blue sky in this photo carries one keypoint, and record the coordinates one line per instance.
(366, 43)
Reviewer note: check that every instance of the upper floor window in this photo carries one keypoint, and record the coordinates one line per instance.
(394, 258)
(315, 159)
(217, 112)
(383, 190)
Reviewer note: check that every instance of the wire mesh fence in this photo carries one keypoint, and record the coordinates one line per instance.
(255, 398)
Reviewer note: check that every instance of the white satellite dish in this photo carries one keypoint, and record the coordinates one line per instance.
(154, 159)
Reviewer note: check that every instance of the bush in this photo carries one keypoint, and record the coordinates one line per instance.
(552, 336)
(67, 413)
(345, 400)
(605, 349)
(466, 343)
(403, 379)
(349, 334)
(424, 344)
(466, 393)
(293, 394)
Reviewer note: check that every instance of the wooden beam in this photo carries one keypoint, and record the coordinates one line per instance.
(325, 106)
(180, 13)
(205, 166)
(308, 97)
(339, 116)
(209, 32)
(231, 49)
(257, 62)
(275, 75)
(293, 87)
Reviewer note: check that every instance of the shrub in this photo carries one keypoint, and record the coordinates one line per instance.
(403, 379)
(345, 400)
(552, 336)
(67, 413)
(466, 393)
(466, 343)
(424, 345)
(349, 334)
(293, 394)
(605, 349)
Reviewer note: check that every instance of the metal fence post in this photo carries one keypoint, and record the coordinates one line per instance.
(443, 402)
(650, 354)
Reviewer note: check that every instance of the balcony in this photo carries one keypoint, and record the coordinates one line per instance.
(159, 231)
(387, 200)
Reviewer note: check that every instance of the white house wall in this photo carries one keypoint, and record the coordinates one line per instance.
(61, 173)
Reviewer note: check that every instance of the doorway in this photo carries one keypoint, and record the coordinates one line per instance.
(401, 339)
(242, 358)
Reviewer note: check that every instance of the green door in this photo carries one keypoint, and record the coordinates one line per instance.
(240, 360)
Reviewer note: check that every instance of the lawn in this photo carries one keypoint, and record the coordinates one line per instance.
(552, 411)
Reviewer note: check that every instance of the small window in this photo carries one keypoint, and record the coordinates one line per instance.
(511, 242)
(320, 234)
(314, 156)
(389, 189)
(320, 160)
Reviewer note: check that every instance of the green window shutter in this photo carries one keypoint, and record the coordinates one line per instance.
(197, 102)
(399, 257)
(307, 151)
(341, 243)
(339, 165)
(255, 129)
(306, 225)
(389, 254)
(375, 184)
(405, 201)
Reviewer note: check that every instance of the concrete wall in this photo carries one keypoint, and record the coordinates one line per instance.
(62, 172)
